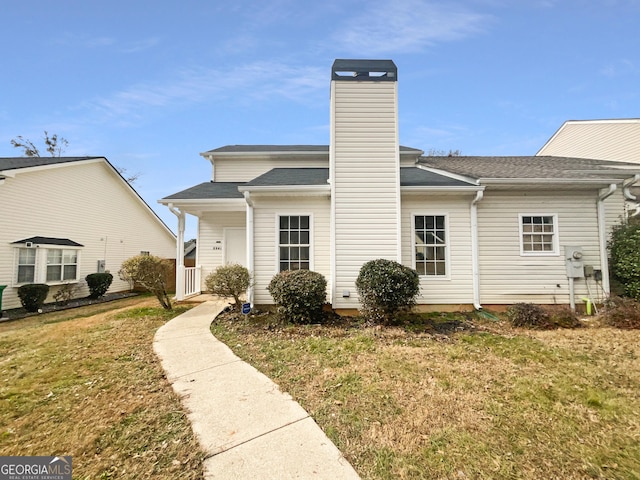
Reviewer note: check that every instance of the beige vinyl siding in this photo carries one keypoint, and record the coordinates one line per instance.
(617, 140)
(243, 169)
(211, 239)
(266, 212)
(365, 175)
(85, 202)
(506, 276)
(457, 287)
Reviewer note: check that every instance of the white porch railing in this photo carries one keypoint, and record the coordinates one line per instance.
(191, 281)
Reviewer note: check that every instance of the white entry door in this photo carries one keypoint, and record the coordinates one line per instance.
(235, 245)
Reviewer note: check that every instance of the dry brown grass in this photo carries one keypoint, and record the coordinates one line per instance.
(86, 383)
(489, 403)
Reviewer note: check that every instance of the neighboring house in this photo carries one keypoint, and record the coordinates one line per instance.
(614, 139)
(478, 230)
(190, 253)
(67, 217)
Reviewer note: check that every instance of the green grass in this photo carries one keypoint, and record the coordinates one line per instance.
(431, 398)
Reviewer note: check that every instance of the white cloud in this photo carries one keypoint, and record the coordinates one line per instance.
(405, 26)
(259, 81)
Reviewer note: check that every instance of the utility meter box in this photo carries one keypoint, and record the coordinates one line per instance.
(573, 262)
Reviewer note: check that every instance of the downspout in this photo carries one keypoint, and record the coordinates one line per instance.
(250, 254)
(475, 258)
(602, 233)
(626, 185)
(179, 252)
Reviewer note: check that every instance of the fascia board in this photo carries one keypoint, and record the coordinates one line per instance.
(545, 181)
(441, 189)
(308, 189)
(12, 172)
(202, 201)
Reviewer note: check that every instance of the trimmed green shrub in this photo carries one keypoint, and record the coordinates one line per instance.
(385, 288)
(299, 294)
(33, 295)
(622, 313)
(98, 284)
(624, 248)
(229, 281)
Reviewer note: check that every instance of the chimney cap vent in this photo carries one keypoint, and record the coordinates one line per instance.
(367, 70)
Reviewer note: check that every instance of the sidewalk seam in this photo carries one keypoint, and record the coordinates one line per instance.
(211, 455)
(207, 368)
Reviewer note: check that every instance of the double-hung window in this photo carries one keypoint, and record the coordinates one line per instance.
(538, 234)
(430, 245)
(294, 245)
(26, 265)
(62, 265)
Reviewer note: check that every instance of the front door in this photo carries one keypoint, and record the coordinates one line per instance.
(235, 245)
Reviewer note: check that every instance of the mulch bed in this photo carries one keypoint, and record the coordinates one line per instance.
(17, 313)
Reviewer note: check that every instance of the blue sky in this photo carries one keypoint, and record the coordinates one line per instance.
(151, 84)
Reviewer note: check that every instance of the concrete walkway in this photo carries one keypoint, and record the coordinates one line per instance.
(248, 428)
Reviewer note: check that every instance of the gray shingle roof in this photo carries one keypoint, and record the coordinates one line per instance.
(291, 177)
(528, 167)
(209, 190)
(63, 242)
(12, 163)
(416, 177)
(284, 148)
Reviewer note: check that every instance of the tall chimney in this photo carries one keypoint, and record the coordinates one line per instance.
(364, 171)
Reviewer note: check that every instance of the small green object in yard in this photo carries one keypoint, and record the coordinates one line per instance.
(486, 315)
(2, 287)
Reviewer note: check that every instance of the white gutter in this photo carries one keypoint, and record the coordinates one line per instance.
(627, 184)
(179, 252)
(250, 253)
(475, 258)
(602, 234)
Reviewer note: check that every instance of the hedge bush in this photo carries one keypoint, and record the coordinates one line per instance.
(385, 288)
(299, 294)
(227, 281)
(98, 284)
(151, 273)
(624, 247)
(33, 295)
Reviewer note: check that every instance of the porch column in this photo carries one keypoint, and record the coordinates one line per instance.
(179, 252)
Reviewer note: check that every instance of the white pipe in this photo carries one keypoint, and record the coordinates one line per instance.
(602, 234)
(250, 254)
(475, 258)
(572, 295)
(179, 252)
(627, 184)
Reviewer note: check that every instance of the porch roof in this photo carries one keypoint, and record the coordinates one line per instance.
(208, 190)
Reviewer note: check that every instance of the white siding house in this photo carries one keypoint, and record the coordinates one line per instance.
(67, 217)
(478, 230)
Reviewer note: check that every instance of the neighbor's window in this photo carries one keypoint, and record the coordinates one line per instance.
(430, 245)
(294, 242)
(26, 265)
(61, 265)
(538, 234)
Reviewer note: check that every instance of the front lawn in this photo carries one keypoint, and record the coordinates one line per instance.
(85, 382)
(444, 399)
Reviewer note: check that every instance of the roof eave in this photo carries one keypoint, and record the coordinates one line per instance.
(306, 189)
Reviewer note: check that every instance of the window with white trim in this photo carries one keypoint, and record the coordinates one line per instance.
(26, 265)
(294, 242)
(538, 234)
(62, 265)
(430, 245)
